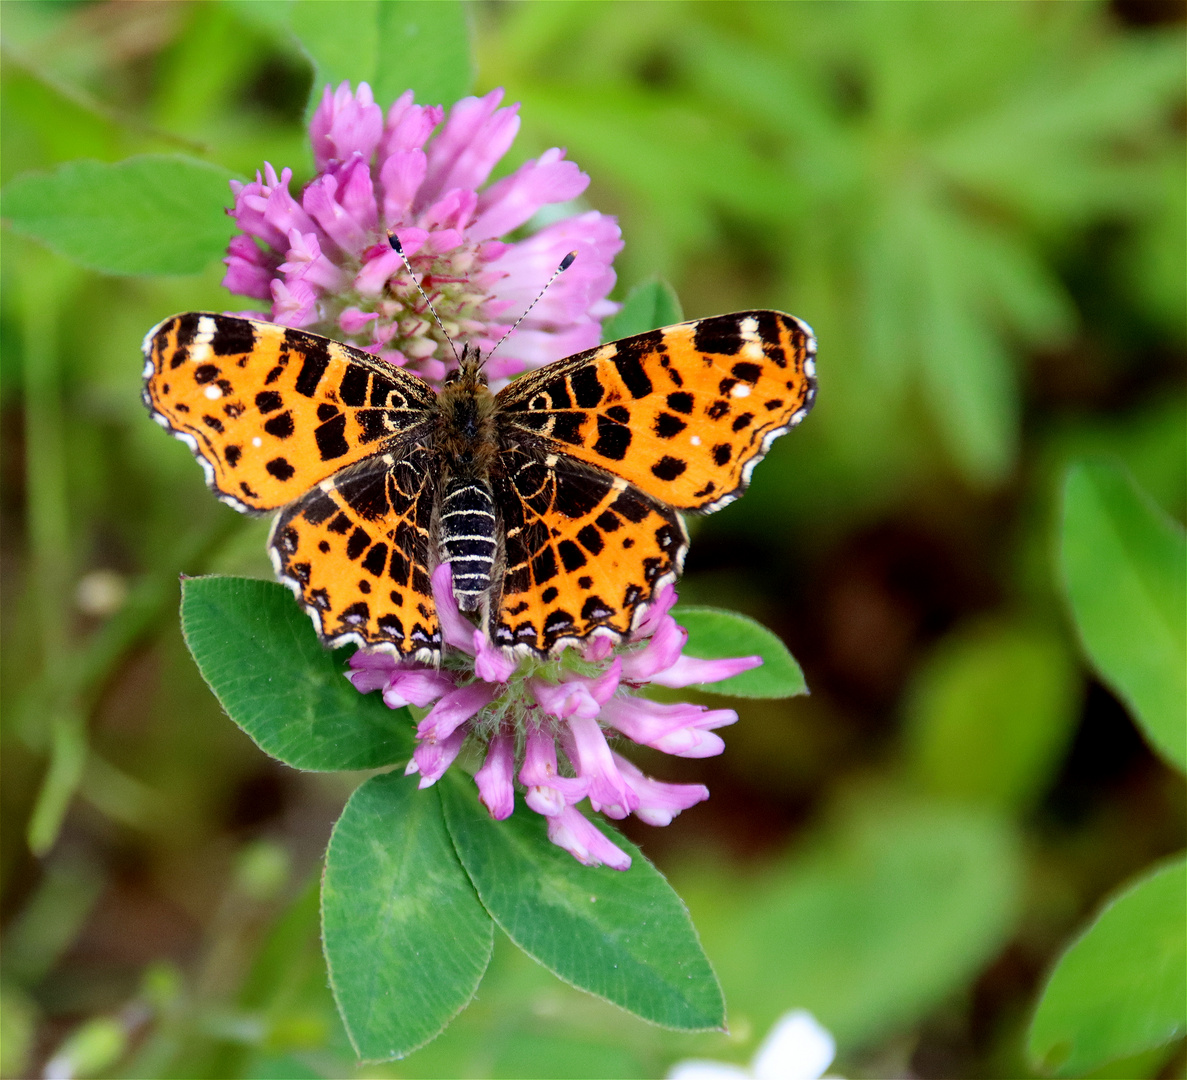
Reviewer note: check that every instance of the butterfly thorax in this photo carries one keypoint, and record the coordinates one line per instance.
(466, 446)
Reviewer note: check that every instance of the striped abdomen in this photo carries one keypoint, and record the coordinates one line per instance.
(467, 535)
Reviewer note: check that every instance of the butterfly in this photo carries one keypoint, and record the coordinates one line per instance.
(557, 501)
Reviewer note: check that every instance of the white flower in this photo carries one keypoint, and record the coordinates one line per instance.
(797, 1048)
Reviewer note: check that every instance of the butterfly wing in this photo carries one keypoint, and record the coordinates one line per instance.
(356, 552)
(684, 413)
(270, 411)
(583, 550)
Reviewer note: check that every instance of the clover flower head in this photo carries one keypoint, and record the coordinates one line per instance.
(322, 260)
(549, 725)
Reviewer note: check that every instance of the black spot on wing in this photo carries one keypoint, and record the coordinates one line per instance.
(719, 334)
(232, 336)
(331, 438)
(613, 439)
(628, 360)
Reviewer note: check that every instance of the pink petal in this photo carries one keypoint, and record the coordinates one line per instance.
(431, 759)
(305, 260)
(474, 138)
(661, 603)
(661, 651)
(415, 686)
(508, 203)
(688, 670)
(354, 320)
(586, 748)
(491, 662)
(658, 802)
(400, 177)
(455, 629)
(453, 710)
(581, 839)
(495, 780)
(294, 303)
(680, 729)
(548, 792)
(345, 124)
(371, 670)
(408, 126)
(577, 695)
(320, 202)
(356, 193)
(451, 211)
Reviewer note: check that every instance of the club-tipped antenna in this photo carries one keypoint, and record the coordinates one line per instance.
(566, 262)
(398, 248)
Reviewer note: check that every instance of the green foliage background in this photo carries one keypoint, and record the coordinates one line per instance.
(980, 209)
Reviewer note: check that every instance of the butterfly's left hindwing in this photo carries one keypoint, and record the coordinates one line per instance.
(270, 411)
(583, 550)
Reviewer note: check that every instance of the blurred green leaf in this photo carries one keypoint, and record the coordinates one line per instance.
(622, 935)
(260, 655)
(396, 45)
(1124, 566)
(90, 1049)
(991, 713)
(424, 45)
(1121, 987)
(649, 306)
(153, 214)
(406, 939)
(714, 634)
(896, 907)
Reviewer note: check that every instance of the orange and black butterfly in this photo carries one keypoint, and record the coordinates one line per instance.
(556, 501)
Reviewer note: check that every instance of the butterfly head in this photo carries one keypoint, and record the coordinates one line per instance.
(469, 370)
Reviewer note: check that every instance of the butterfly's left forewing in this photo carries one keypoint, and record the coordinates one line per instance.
(683, 413)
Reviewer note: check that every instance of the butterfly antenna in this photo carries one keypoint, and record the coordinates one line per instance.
(566, 262)
(398, 248)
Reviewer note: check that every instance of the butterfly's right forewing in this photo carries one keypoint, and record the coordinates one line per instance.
(270, 411)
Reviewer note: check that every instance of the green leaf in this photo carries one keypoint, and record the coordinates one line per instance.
(342, 41)
(650, 306)
(1121, 987)
(714, 633)
(991, 713)
(397, 45)
(892, 911)
(406, 939)
(1125, 573)
(153, 214)
(424, 45)
(258, 651)
(622, 935)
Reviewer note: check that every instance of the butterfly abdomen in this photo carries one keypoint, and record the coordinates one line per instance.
(467, 539)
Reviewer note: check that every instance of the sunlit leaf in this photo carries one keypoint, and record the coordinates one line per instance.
(394, 45)
(714, 634)
(258, 651)
(1121, 987)
(649, 306)
(406, 939)
(622, 935)
(154, 214)
(1124, 568)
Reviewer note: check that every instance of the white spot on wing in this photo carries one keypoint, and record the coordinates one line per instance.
(740, 390)
(257, 441)
(695, 440)
(213, 392)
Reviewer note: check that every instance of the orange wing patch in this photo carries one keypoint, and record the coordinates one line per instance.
(683, 413)
(270, 411)
(583, 551)
(356, 552)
